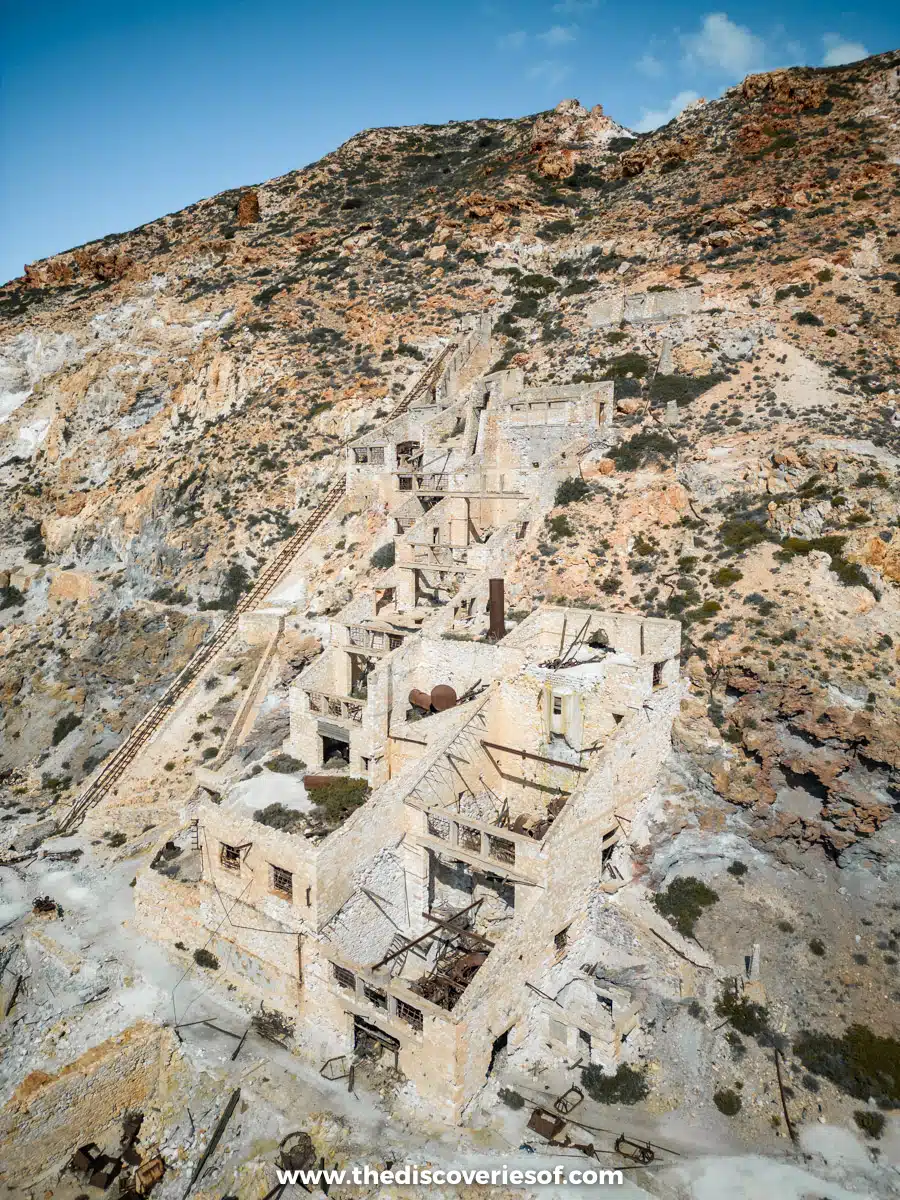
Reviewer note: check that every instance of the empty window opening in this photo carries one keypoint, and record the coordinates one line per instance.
(412, 1016)
(498, 1050)
(335, 752)
(343, 978)
(606, 866)
(557, 714)
(371, 1042)
(561, 940)
(584, 1041)
(229, 857)
(281, 882)
(605, 1002)
(658, 674)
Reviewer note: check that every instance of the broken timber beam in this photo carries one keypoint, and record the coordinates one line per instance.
(553, 762)
(215, 1139)
(408, 945)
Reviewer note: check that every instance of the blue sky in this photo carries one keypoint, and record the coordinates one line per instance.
(113, 113)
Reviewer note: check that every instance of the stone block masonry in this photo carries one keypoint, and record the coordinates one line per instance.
(505, 806)
(644, 307)
(50, 1116)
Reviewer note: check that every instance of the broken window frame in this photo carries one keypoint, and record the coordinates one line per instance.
(343, 977)
(229, 857)
(561, 938)
(408, 1014)
(376, 996)
(281, 882)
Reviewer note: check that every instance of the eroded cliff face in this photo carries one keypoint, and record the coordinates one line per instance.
(172, 399)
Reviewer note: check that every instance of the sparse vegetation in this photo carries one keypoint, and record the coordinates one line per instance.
(871, 1123)
(683, 902)
(64, 727)
(285, 764)
(642, 449)
(383, 557)
(205, 958)
(860, 1062)
(627, 1086)
(570, 491)
(727, 1101)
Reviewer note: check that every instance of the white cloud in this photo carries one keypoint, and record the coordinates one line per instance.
(724, 46)
(653, 118)
(549, 71)
(649, 65)
(558, 35)
(573, 7)
(839, 51)
(513, 41)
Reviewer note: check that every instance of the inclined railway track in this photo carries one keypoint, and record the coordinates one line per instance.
(125, 754)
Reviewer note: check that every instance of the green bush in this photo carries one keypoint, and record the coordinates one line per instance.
(860, 1063)
(383, 557)
(203, 958)
(726, 576)
(511, 1098)
(571, 491)
(737, 868)
(277, 816)
(338, 798)
(627, 1086)
(648, 446)
(11, 597)
(64, 726)
(234, 584)
(849, 573)
(741, 533)
(807, 318)
(727, 1102)
(683, 902)
(560, 527)
(752, 1020)
(285, 764)
(871, 1123)
(631, 363)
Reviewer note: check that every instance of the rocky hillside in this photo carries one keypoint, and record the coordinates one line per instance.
(172, 398)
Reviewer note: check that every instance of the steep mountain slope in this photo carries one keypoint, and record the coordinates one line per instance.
(173, 396)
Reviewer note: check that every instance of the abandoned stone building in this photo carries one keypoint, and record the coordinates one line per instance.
(462, 908)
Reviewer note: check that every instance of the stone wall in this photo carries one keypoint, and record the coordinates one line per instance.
(644, 307)
(50, 1116)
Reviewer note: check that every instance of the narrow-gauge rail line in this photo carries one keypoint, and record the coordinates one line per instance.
(125, 754)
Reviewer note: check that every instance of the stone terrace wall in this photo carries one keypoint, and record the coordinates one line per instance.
(644, 307)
